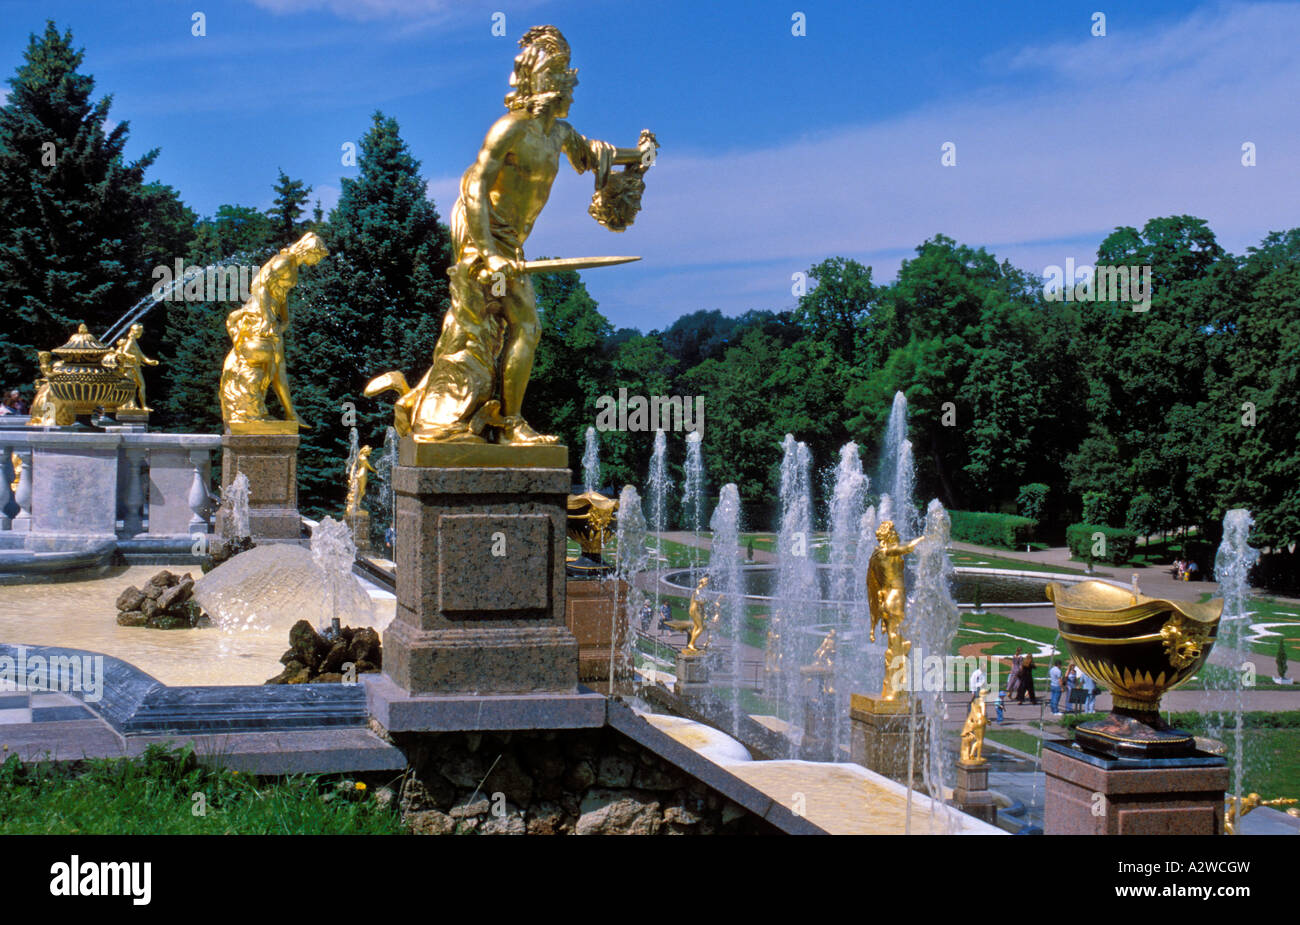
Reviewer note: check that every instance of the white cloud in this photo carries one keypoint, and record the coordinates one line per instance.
(1090, 135)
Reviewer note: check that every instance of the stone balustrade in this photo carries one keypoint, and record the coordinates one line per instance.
(126, 484)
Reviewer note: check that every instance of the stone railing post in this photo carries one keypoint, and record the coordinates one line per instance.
(200, 499)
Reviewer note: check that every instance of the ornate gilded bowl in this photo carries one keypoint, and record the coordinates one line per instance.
(590, 519)
(82, 381)
(1138, 647)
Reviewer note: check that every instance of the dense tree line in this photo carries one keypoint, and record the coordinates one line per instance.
(1155, 420)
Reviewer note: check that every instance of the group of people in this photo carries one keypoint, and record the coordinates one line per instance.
(13, 403)
(1079, 689)
(1185, 569)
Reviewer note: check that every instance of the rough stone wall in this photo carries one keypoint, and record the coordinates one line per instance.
(565, 782)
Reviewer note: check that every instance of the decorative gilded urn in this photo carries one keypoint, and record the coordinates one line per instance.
(1139, 647)
(85, 376)
(590, 519)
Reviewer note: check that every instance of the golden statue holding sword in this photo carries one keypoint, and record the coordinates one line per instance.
(474, 390)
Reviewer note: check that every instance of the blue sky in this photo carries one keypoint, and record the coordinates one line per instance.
(778, 151)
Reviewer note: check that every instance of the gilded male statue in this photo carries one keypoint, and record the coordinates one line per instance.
(256, 359)
(887, 598)
(484, 355)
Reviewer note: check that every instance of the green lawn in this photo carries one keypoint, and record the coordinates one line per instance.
(967, 559)
(162, 792)
(1014, 738)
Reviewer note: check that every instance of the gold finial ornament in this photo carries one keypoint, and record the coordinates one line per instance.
(474, 391)
(972, 731)
(256, 359)
(357, 477)
(887, 598)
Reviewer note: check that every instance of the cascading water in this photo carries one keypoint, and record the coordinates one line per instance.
(1231, 654)
(794, 610)
(632, 558)
(591, 462)
(897, 479)
(726, 580)
(333, 550)
(234, 497)
(386, 495)
(152, 300)
(693, 492)
(868, 664)
(933, 617)
(657, 488)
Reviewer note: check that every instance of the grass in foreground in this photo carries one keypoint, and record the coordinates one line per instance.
(166, 792)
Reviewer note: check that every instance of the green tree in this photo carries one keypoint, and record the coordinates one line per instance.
(375, 304)
(290, 199)
(80, 230)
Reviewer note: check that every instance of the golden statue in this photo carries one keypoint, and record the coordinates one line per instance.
(256, 359)
(887, 597)
(484, 355)
(128, 358)
(47, 409)
(972, 731)
(823, 664)
(357, 477)
(590, 521)
(1233, 812)
(696, 611)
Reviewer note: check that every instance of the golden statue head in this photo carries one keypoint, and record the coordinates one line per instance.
(137, 331)
(886, 533)
(46, 360)
(542, 75)
(309, 249)
(363, 454)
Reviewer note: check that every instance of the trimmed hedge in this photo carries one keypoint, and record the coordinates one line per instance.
(1120, 542)
(1009, 530)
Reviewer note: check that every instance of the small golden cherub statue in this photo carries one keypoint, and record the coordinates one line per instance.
(47, 410)
(128, 358)
(357, 478)
(972, 731)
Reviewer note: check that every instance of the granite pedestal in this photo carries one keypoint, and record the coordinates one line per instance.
(360, 524)
(972, 795)
(692, 674)
(880, 734)
(590, 614)
(480, 579)
(1087, 794)
(270, 461)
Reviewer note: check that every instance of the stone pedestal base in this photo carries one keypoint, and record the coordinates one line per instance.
(270, 461)
(971, 795)
(590, 614)
(480, 582)
(360, 524)
(692, 673)
(880, 733)
(1090, 795)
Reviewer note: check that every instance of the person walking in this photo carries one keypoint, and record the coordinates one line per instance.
(1015, 686)
(1054, 687)
(1070, 681)
(1027, 679)
(1089, 688)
